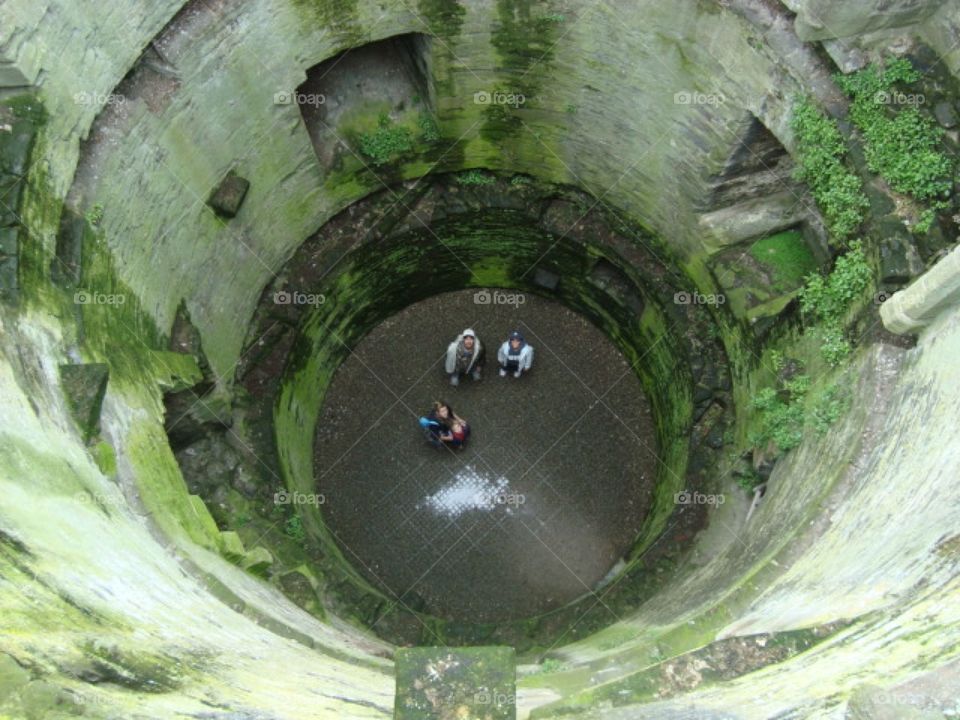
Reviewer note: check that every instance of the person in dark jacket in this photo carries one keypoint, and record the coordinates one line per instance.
(437, 422)
(515, 355)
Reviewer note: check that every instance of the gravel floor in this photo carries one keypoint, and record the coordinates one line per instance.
(549, 492)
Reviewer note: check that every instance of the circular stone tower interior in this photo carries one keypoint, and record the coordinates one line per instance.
(241, 243)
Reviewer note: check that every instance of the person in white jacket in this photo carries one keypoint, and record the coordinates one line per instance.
(464, 357)
(515, 355)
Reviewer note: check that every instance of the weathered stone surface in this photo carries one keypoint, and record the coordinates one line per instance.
(84, 387)
(899, 261)
(824, 19)
(874, 703)
(113, 575)
(946, 114)
(12, 677)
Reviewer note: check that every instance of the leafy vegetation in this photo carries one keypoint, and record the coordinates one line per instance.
(94, 215)
(826, 300)
(782, 414)
(429, 132)
(475, 177)
(829, 407)
(790, 405)
(901, 144)
(821, 151)
(387, 142)
(293, 528)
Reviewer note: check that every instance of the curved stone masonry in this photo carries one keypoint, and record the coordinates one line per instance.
(123, 593)
(498, 234)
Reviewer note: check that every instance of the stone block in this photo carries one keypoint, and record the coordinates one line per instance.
(435, 682)
(257, 561)
(227, 197)
(231, 546)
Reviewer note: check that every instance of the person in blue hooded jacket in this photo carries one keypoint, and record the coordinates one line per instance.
(515, 355)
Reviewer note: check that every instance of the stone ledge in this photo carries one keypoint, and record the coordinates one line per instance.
(933, 293)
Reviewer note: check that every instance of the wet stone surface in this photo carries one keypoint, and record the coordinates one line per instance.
(549, 492)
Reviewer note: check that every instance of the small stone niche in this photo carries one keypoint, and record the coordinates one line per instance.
(84, 386)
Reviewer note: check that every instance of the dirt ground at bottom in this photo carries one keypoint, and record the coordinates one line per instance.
(550, 491)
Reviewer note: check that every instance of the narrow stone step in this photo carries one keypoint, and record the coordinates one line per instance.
(445, 682)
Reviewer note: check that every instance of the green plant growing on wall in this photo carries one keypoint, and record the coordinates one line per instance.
(475, 177)
(781, 414)
(828, 408)
(824, 301)
(900, 143)
(928, 216)
(429, 132)
(387, 142)
(293, 529)
(94, 215)
(821, 151)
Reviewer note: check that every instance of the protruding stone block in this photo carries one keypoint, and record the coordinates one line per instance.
(257, 561)
(931, 294)
(439, 682)
(84, 386)
(227, 197)
(231, 546)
